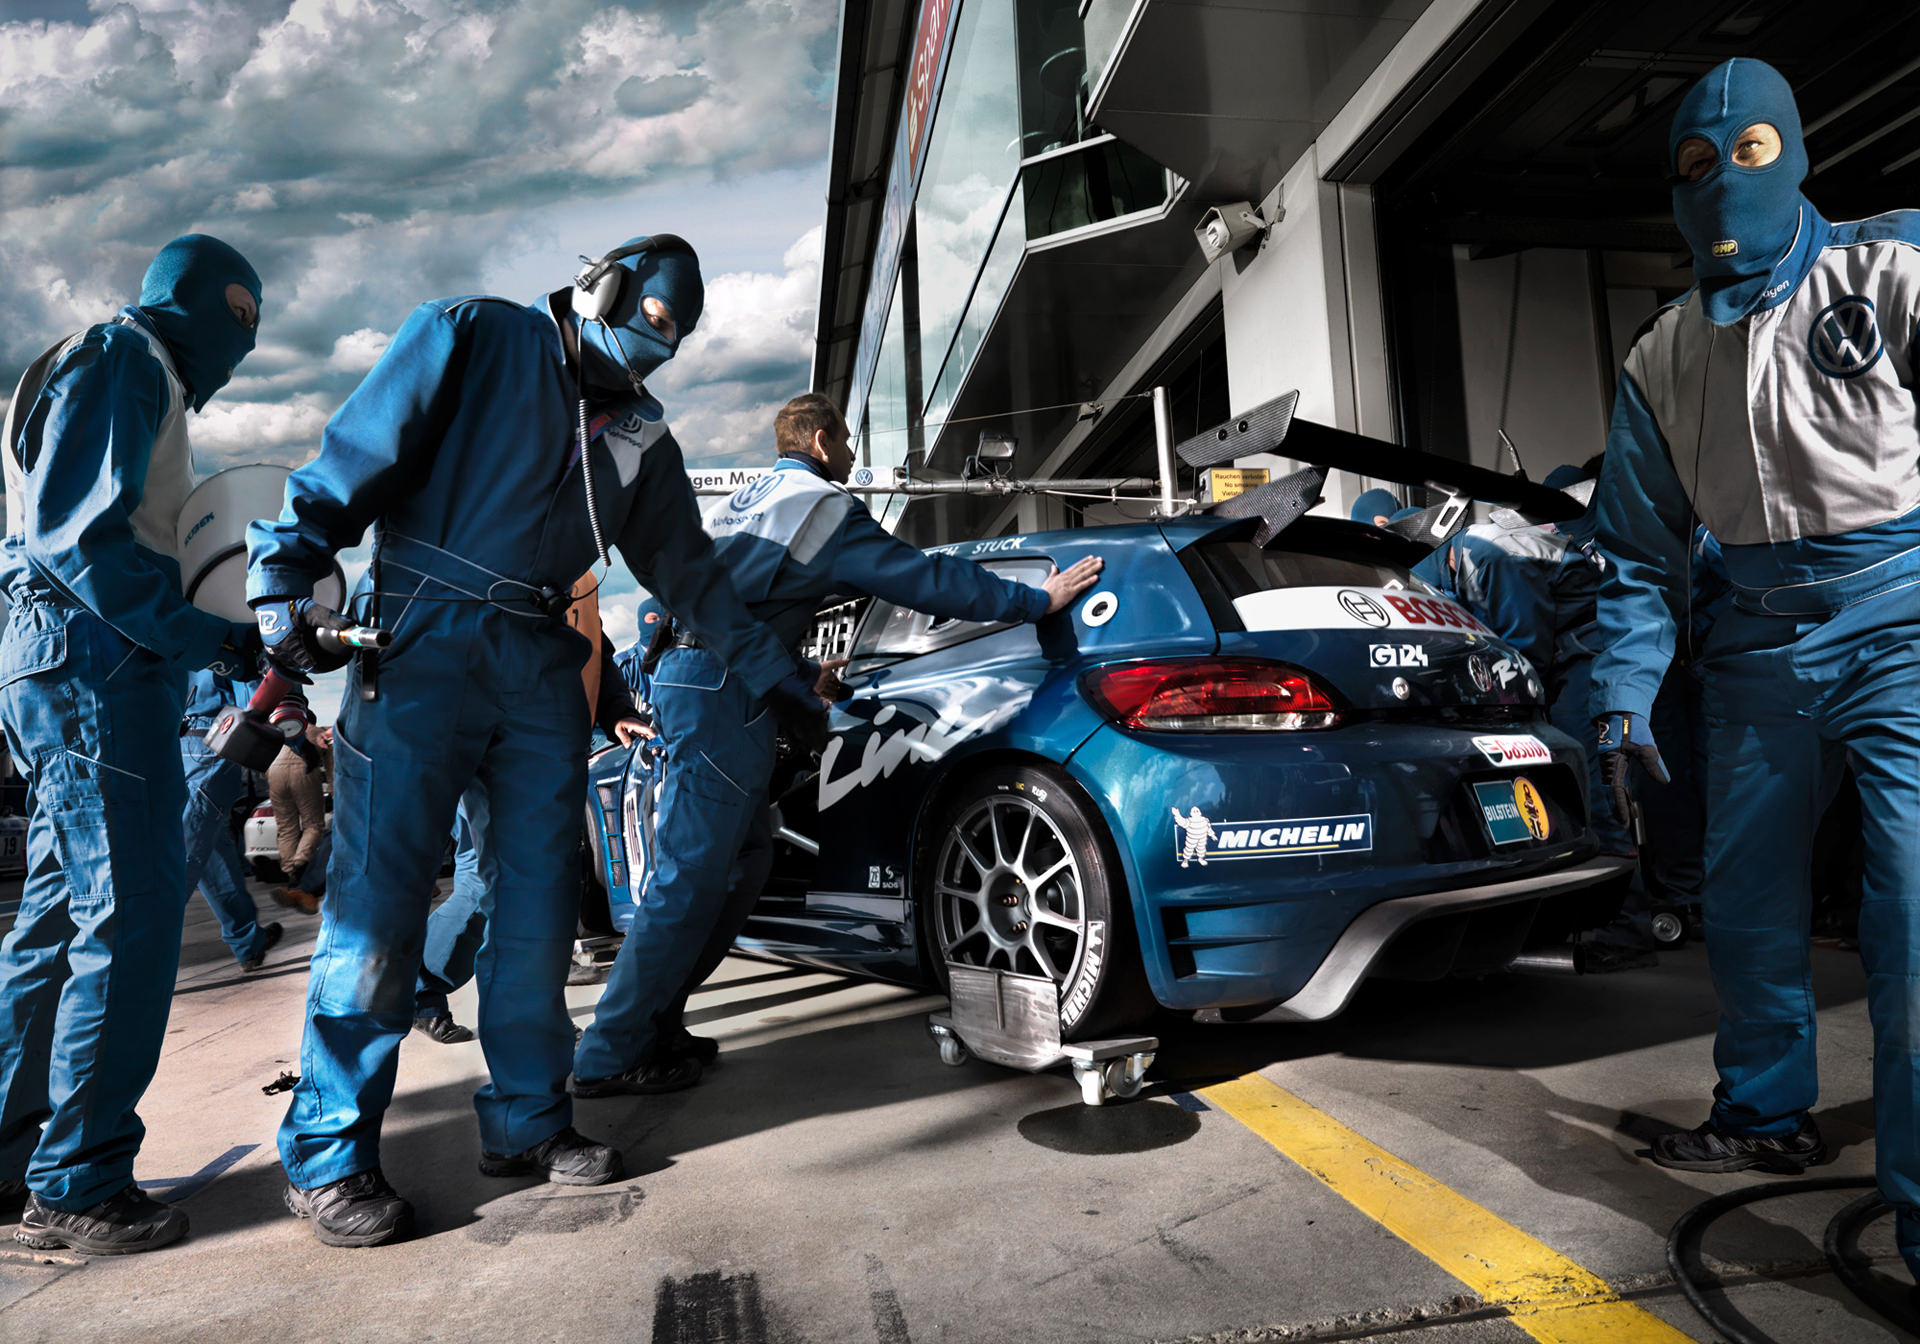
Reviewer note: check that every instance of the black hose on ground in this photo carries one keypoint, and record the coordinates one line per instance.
(1840, 1244)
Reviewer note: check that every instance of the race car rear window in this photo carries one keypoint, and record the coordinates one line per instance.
(900, 632)
(1243, 568)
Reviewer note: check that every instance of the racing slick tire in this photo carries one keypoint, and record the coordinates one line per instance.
(1017, 873)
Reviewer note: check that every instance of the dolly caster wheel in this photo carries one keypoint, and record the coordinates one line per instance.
(1669, 928)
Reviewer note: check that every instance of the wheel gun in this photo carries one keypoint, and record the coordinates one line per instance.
(254, 735)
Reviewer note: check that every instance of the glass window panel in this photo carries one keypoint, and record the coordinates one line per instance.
(1053, 76)
(1104, 181)
(886, 421)
(971, 161)
(995, 276)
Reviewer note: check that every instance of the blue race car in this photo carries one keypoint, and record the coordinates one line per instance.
(1234, 780)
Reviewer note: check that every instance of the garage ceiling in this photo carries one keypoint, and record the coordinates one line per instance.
(1562, 143)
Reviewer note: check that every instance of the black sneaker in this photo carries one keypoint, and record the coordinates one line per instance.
(668, 1074)
(120, 1225)
(683, 1044)
(269, 937)
(596, 974)
(1709, 1148)
(442, 1028)
(565, 1159)
(358, 1210)
(13, 1194)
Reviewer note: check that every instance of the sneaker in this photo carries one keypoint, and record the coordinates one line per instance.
(442, 1028)
(269, 937)
(565, 1159)
(295, 899)
(1710, 1148)
(595, 974)
(358, 1210)
(669, 1074)
(120, 1225)
(683, 1044)
(12, 1193)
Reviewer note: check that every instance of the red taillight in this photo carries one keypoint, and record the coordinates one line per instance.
(1211, 695)
(264, 810)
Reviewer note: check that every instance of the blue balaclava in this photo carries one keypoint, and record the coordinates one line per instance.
(619, 351)
(184, 297)
(1374, 503)
(1739, 221)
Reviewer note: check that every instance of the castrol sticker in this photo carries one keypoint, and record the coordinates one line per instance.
(1347, 608)
(1515, 750)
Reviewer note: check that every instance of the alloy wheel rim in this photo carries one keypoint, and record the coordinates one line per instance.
(1009, 891)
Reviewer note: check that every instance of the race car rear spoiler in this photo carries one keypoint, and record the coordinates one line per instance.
(1268, 426)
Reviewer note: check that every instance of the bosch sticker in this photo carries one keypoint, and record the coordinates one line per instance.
(1343, 608)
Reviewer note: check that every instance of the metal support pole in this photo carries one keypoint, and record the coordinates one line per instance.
(1163, 442)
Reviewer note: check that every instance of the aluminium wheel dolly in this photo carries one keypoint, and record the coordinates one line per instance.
(1014, 1021)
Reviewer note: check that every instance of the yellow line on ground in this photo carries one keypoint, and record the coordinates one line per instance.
(1549, 1296)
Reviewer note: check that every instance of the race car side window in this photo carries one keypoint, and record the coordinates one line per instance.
(900, 632)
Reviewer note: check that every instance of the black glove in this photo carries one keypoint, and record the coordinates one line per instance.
(801, 713)
(239, 656)
(1617, 748)
(287, 628)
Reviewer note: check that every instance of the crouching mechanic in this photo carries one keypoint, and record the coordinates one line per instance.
(1777, 401)
(462, 449)
(93, 680)
(789, 539)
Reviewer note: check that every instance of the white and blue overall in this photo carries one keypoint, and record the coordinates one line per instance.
(1777, 404)
(789, 539)
(93, 681)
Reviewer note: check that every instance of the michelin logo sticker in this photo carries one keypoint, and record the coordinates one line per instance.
(1196, 837)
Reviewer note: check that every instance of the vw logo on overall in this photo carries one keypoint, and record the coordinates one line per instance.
(1845, 338)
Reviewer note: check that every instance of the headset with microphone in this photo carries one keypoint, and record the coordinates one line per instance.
(596, 293)
(598, 286)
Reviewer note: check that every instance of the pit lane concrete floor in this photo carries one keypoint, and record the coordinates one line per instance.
(832, 1181)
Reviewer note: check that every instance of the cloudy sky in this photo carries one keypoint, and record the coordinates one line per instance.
(368, 154)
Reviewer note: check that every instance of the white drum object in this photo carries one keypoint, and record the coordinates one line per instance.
(211, 539)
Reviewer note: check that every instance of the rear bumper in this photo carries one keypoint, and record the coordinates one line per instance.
(1359, 949)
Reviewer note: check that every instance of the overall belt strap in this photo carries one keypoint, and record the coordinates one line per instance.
(1825, 597)
(467, 578)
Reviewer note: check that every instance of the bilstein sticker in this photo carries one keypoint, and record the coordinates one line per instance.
(1516, 750)
(1515, 812)
(1200, 839)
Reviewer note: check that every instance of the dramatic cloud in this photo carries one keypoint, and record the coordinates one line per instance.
(752, 352)
(367, 154)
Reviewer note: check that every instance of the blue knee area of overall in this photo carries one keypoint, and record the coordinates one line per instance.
(719, 753)
(213, 862)
(458, 926)
(468, 693)
(87, 972)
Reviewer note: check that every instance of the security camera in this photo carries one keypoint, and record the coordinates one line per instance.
(1228, 228)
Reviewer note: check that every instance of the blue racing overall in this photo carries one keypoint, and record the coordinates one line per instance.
(93, 679)
(460, 449)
